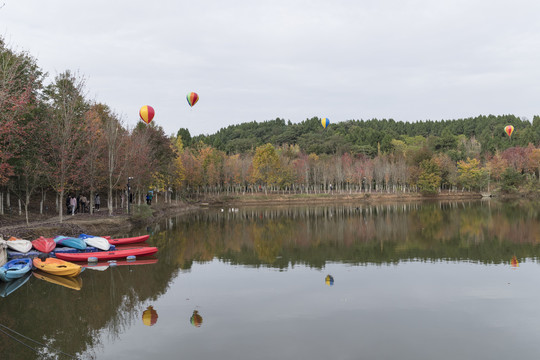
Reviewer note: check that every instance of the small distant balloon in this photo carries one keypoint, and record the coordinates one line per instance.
(329, 280)
(509, 129)
(196, 319)
(325, 122)
(149, 316)
(147, 113)
(192, 98)
(514, 262)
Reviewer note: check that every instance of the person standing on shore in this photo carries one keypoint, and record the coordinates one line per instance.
(68, 203)
(73, 203)
(83, 203)
(97, 202)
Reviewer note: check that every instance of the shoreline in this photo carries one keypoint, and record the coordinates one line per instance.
(326, 198)
(120, 224)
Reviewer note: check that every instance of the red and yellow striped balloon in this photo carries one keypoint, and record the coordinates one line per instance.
(149, 316)
(192, 98)
(509, 129)
(147, 113)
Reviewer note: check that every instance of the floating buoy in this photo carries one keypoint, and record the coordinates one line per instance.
(92, 259)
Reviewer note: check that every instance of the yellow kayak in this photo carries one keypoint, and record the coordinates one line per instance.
(67, 281)
(57, 267)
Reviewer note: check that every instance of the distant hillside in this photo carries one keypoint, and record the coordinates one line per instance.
(371, 136)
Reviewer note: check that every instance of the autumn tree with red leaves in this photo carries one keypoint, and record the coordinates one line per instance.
(20, 81)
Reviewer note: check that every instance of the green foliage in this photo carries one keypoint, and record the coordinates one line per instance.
(429, 179)
(460, 138)
(266, 166)
(471, 175)
(184, 134)
(511, 180)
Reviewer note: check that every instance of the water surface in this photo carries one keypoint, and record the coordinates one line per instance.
(408, 281)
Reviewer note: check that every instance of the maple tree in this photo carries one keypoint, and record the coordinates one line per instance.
(20, 79)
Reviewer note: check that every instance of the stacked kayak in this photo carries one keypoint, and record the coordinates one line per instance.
(72, 242)
(109, 255)
(45, 245)
(57, 267)
(3, 251)
(15, 269)
(130, 240)
(19, 245)
(98, 242)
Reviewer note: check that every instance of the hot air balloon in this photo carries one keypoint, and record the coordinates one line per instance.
(196, 319)
(147, 113)
(509, 129)
(325, 122)
(192, 98)
(149, 316)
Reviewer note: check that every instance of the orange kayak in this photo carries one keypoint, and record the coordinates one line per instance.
(57, 267)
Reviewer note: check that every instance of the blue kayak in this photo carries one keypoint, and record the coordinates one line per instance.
(15, 269)
(72, 242)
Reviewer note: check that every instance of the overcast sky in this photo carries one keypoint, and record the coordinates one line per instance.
(257, 60)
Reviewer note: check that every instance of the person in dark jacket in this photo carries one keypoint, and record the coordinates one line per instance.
(68, 201)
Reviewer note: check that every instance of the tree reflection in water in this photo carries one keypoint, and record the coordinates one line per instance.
(113, 300)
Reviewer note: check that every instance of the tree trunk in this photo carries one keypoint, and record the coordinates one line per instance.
(91, 202)
(59, 205)
(26, 202)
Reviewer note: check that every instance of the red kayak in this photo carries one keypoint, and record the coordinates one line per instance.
(130, 240)
(45, 245)
(141, 261)
(108, 255)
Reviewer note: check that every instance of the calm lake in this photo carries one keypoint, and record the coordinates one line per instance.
(403, 281)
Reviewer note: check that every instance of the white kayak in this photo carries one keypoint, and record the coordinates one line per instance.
(19, 245)
(98, 242)
(3, 252)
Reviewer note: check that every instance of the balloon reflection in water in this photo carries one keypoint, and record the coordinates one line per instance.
(329, 280)
(196, 319)
(514, 262)
(149, 316)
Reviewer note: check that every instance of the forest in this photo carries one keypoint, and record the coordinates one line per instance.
(54, 140)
